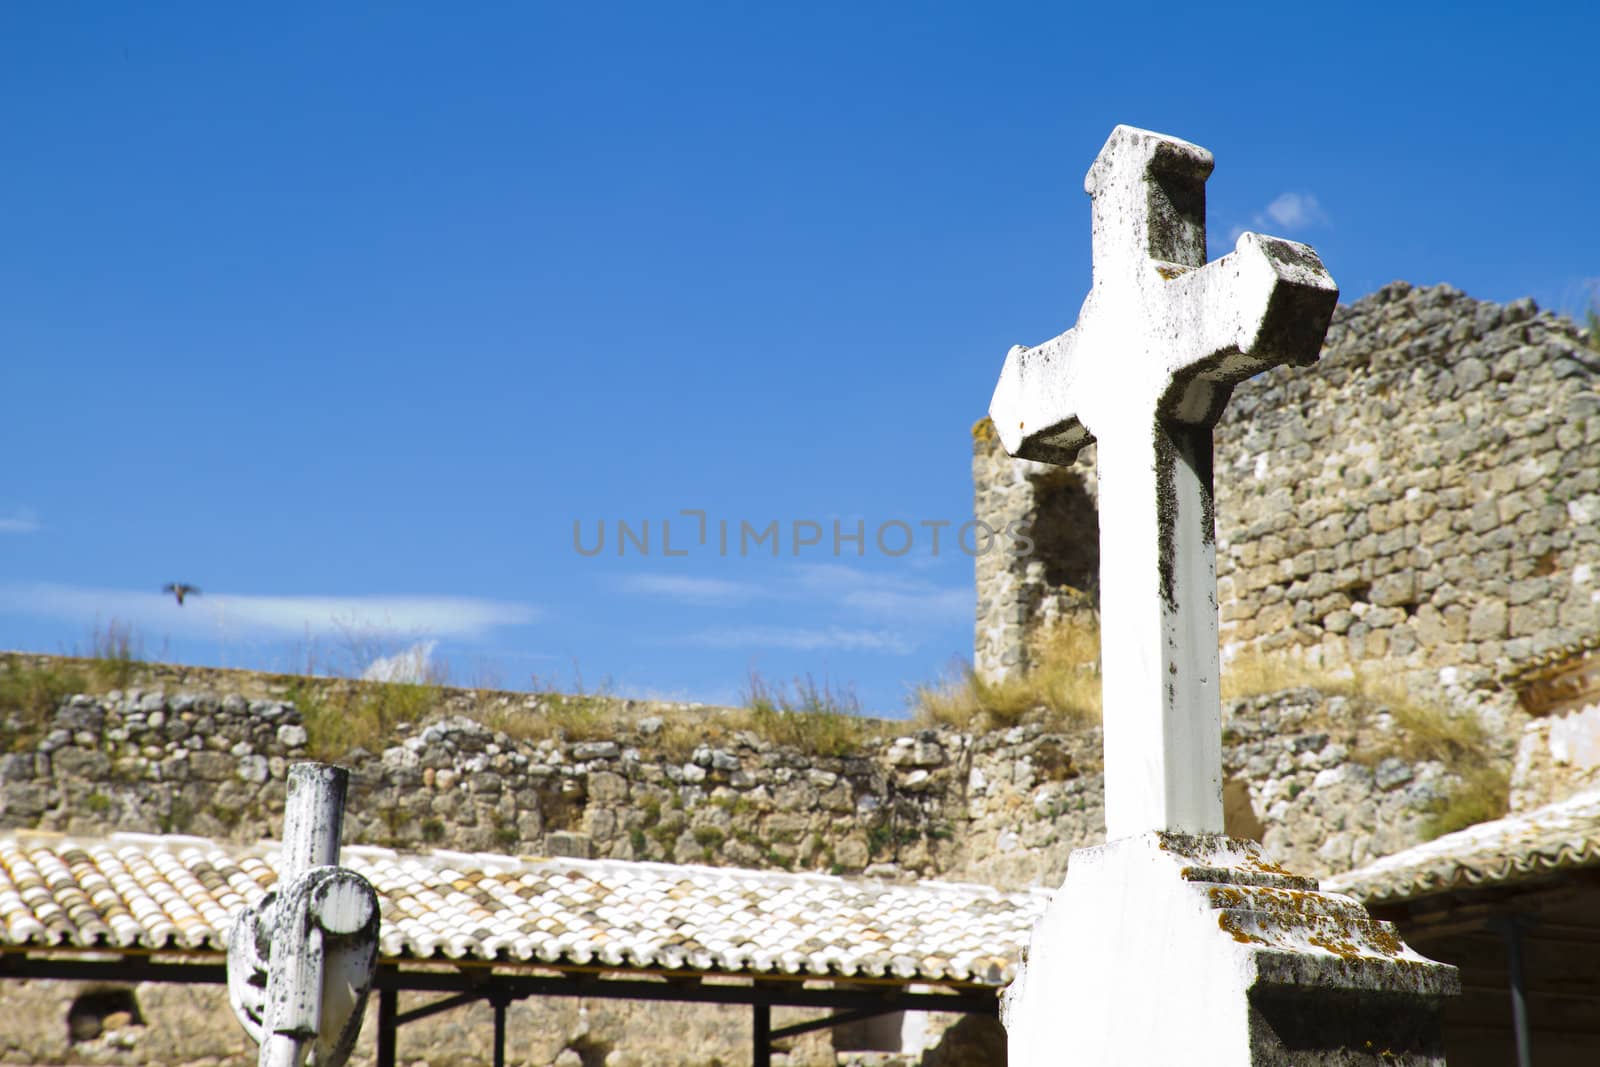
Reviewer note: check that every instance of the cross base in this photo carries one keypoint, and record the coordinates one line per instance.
(1179, 948)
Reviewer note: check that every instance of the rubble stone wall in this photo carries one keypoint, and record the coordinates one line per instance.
(1557, 755)
(1005, 808)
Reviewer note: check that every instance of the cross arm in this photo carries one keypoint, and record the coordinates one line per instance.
(1036, 385)
(1265, 304)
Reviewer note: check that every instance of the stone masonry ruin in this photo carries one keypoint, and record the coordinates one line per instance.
(1426, 497)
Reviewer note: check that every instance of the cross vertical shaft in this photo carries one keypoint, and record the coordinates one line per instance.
(1163, 728)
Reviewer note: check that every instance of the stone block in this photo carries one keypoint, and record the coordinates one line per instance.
(1428, 624)
(1402, 641)
(594, 750)
(1488, 620)
(212, 766)
(73, 762)
(1533, 618)
(1383, 618)
(1391, 773)
(16, 767)
(569, 843)
(606, 787)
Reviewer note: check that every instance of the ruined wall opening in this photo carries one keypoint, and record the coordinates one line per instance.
(879, 1033)
(97, 1010)
(1065, 532)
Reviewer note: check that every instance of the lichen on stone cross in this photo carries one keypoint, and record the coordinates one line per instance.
(302, 960)
(1161, 340)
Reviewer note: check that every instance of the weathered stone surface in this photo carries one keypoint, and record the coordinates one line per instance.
(1215, 956)
(566, 843)
(593, 750)
(1557, 756)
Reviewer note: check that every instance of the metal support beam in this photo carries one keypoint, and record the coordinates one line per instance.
(828, 1022)
(388, 1011)
(499, 1001)
(761, 1036)
(1510, 927)
(880, 998)
(436, 1007)
(120, 969)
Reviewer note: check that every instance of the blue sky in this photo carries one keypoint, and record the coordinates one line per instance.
(348, 318)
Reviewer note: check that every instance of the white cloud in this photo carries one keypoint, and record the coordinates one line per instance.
(1287, 211)
(414, 664)
(299, 616)
(443, 616)
(907, 598)
(20, 522)
(686, 587)
(1295, 210)
(897, 602)
(802, 639)
(904, 597)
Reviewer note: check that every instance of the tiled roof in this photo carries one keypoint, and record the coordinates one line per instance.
(1552, 657)
(140, 891)
(1556, 837)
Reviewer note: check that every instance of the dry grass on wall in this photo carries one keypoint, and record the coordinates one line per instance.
(1062, 688)
(1420, 732)
(32, 687)
(1063, 691)
(817, 719)
(344, 714)
(363, 715)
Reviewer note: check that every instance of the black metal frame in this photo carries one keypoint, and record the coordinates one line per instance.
(849, 1000)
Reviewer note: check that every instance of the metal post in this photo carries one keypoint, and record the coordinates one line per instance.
(499, 1001)
(1510, 928)
(761, 1036)
(388, 1011)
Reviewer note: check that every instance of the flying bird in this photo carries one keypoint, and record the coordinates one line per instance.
(181, 590)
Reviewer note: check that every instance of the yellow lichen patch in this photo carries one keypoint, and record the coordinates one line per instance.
(1346, 949)
(1231, 925)
(1266, 866)
(983, 430)
(1385, 940)
(1226, 896)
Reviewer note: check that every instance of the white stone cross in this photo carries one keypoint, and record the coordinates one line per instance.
(1160, 342)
